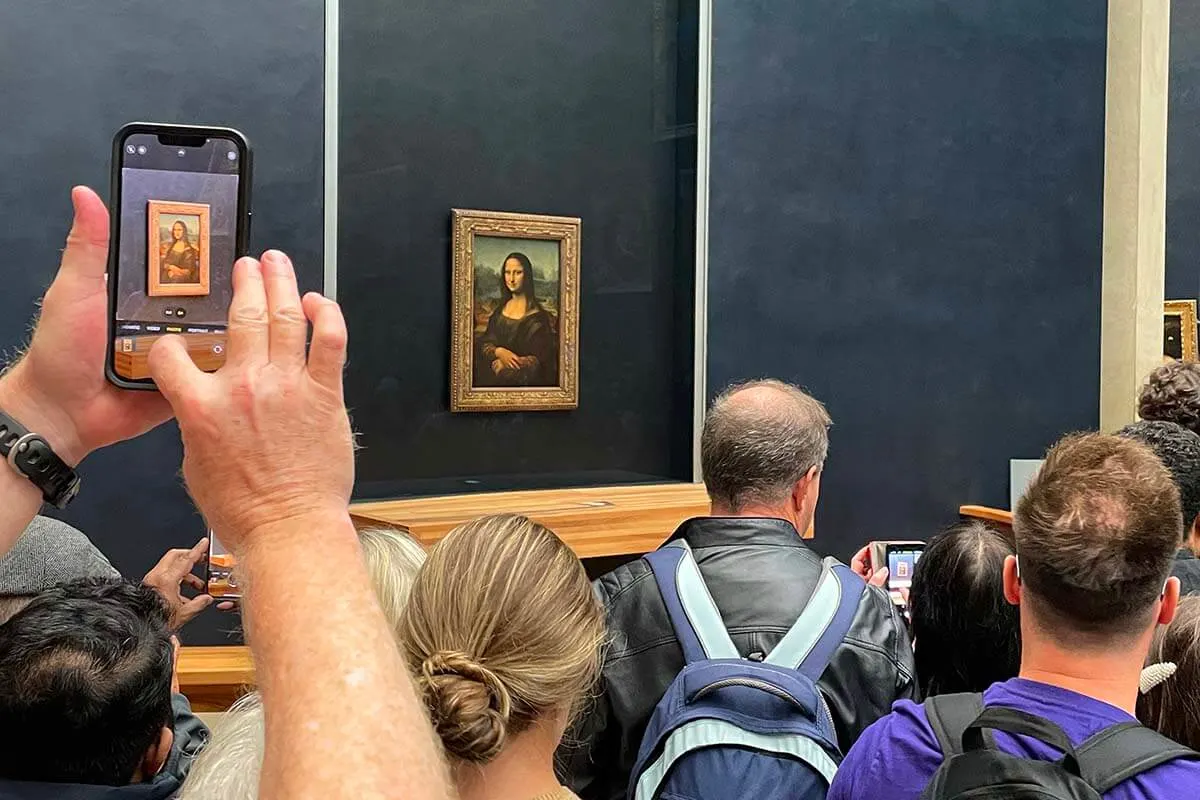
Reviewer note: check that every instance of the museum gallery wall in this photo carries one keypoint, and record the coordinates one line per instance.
(516, 242)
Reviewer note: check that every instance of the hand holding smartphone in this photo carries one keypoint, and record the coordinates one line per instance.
(180, 209)
(900, 557)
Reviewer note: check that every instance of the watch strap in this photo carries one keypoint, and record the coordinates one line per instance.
(30, 455)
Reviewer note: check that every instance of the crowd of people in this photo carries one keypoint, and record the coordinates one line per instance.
(1061, 656)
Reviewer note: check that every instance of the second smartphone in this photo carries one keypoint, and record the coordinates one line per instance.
(180, 208)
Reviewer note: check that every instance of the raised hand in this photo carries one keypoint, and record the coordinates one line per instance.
(266, 438)
(58, 388)
(174, 571)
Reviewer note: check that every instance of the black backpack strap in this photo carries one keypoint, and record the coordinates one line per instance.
(1122, 751)
(949, 715)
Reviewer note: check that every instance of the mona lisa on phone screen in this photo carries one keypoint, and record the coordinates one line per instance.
(180, 218)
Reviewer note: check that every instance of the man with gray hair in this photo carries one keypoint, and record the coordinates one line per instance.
(762, 452)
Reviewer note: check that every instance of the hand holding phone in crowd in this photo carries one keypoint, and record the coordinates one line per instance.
(861, 564)
(890, 565)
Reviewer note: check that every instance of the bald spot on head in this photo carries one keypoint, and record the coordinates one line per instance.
(759, 439)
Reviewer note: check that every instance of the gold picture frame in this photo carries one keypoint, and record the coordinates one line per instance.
(177, 265)
(515, 312)
(1179, 330)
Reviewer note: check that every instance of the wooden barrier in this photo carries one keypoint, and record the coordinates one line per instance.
(605, 521)
(213, 677)
(997, 516)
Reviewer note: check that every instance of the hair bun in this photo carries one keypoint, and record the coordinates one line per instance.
(469, 704)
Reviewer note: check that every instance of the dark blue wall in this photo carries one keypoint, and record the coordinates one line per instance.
(71, 73)
(1183, 155)
(906, 219)
(569, 107)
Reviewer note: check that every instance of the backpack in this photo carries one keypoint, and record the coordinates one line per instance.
(731, 727)
(973, 767)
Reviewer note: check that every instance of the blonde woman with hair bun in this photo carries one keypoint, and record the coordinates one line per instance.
(504, 635)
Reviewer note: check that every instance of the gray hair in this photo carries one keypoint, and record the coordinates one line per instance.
(760, 438)
(229, 766)
(393, 560)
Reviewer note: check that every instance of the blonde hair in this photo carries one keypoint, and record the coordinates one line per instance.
(501, 630)
(1173, 707)
(393, 560)
(228, 767)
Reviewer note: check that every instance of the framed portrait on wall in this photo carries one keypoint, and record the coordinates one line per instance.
(177, 244)
(515, 315)
(1179, 330)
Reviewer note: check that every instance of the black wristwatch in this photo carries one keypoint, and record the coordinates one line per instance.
(31, 455)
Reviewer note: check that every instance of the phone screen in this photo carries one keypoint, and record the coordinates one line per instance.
(177, 238)
(222, 584)
(902, 562)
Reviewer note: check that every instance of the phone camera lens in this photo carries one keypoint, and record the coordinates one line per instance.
(181, 153)
(141, 150)
(231, 155)
(130, 149)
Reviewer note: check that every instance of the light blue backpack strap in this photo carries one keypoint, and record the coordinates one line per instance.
(705, 733)
(810, 643)
(694, 615)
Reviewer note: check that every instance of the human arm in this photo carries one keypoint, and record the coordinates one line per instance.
(268, 457)
(536, 344)
(58, 389)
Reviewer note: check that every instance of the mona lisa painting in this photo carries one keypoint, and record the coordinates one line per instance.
(177, 243)
(515, 312)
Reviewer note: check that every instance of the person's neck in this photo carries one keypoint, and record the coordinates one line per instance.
(1108, 676)
(524, 769)
(758, 512)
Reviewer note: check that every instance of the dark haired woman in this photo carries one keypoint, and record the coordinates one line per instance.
(965, 634)
(180, 258)
(520, 345)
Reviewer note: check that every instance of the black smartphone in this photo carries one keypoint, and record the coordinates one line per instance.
(180, 209)
(901, 558)
(221, 582)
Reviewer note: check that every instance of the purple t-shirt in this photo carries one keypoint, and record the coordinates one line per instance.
(897, 756)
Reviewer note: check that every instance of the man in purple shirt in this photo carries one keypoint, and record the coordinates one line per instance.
(1096, 533)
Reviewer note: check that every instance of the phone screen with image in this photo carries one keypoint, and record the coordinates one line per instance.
(179, 226)
(901, 563)
(222, 584)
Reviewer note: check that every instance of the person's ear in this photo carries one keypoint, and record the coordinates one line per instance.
(806, 490)
(1012, 581)
(156, 756)
(1169, 602)
(804, 498)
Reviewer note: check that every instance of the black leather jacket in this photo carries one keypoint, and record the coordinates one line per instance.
(760, 574)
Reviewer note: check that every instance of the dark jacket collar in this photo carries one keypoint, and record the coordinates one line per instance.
(732, 531)
(163, 787)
